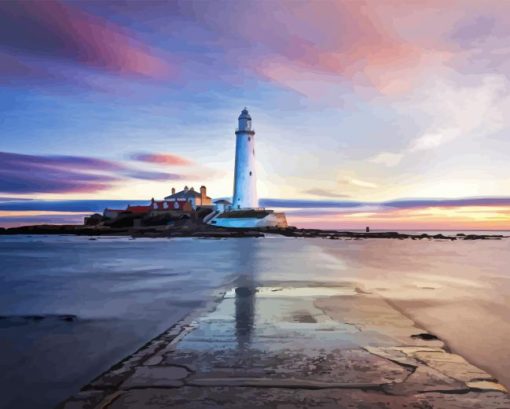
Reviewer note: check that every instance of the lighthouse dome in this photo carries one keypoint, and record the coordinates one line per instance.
(244, 114)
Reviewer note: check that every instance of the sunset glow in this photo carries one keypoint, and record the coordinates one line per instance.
(366, 101)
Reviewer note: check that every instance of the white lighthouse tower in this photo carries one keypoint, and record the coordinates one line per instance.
(245, 211)
(245, 178)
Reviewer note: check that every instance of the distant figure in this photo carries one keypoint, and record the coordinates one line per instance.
(367, 229)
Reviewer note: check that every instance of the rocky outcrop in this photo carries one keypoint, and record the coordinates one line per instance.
(336, 234)
(198, 230)
(195, 228)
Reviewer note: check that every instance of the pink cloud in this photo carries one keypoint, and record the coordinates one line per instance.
(336, 42)
(55, 30)
(25, 174)
(318, 48)
(162, 159)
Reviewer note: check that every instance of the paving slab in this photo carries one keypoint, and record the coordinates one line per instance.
(156, 376)
(278, 398)
(289, 346)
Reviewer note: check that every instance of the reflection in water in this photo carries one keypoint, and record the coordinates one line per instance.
(245, 292)
(245, 314)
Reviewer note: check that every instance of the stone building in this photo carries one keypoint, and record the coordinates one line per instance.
(177, 200)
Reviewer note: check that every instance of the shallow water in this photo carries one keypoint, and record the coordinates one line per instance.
(124, 292)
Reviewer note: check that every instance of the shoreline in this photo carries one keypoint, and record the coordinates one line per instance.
(201, 230)
(419, 322)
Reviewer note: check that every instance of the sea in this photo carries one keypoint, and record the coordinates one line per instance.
(71, 307)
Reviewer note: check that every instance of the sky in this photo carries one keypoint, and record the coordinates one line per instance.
(385, 113)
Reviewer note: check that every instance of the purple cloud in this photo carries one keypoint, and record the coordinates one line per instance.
(400, 203)
(302, 206)
(60, 31)
(473, 30)
(68, 205)
(32, 179)
(147, 175)
(9, 160)
(161, 159)
(66, 174)
(53, 174)
(305, 203)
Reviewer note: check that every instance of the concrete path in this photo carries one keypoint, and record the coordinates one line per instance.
(294, 346)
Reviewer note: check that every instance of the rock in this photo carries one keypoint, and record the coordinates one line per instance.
(425, 336)
(193, 228)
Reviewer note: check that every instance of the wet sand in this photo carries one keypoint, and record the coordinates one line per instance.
(459, 291)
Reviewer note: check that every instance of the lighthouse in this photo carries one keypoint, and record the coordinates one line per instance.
(245, 178)
(244, 212)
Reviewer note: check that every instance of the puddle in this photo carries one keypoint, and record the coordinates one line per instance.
(279, 292)
(272, 319)
(303, 317)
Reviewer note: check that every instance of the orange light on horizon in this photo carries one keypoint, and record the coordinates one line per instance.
(435, 218)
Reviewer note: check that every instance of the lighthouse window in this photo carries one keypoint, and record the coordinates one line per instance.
(250, 172)
(249, 139)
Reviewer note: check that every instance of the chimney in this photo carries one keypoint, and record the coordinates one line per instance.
(173, 190)
(203, 193)
(152, 201)
(192, 189)
(186, 188)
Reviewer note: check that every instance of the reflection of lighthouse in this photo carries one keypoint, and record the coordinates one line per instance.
(245, 315)
(245, 180)
(245, 293)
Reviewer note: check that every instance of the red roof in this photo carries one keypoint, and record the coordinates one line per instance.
(138, 209)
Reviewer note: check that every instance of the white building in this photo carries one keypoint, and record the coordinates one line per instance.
(177, 199)
(245, 176)
(244, 212)
(222, 205)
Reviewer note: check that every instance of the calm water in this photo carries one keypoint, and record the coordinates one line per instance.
(125, 292)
